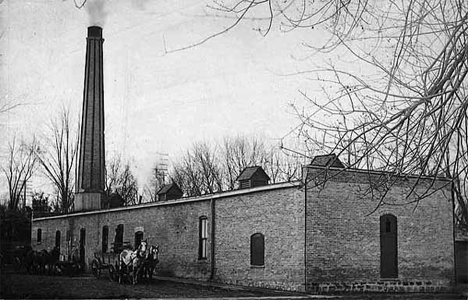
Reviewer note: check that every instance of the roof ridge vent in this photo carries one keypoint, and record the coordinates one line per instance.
(252, 177)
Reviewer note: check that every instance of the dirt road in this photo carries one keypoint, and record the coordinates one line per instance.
(86, 287)
(22, 286)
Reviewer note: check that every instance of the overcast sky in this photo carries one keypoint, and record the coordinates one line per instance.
(154, 102)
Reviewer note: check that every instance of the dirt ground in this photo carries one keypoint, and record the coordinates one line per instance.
(22, 286)
(19, 285)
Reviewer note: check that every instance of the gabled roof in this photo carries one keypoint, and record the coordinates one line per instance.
(248, 172)
(328, 160)
(165, 188)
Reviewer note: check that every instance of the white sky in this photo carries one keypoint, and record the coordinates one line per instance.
(154, 102)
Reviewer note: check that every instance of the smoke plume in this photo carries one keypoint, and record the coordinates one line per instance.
(96, 12)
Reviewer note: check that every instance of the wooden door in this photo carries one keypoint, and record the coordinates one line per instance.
(57, 239)
(138, 238)
(388, 247)
(82, 245)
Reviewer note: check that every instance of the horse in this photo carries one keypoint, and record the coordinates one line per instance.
(36, 261)
(132, 261)
(52, 259)
(151, 261)
(43, 259)
(31, 261)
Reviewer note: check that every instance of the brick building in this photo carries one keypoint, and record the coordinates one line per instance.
(327, 232)
(321, 234)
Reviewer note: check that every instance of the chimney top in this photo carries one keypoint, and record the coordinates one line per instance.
(95, 31)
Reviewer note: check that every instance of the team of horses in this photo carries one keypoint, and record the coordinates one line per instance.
(138, 263)
(132, 264)
(40, 262)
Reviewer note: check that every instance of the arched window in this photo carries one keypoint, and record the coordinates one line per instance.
(105, 238)
(39, 236)
(57, 239)
(388, 246)
(257, 249)
(118, 241)
(82, 245)
(82, 236)
(138, 238)
(203, 238)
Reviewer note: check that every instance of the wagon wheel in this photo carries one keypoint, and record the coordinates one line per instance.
(58, 269)
(119, 272)
(35, 268)
(113, 276)
(17, 264)
(96, 268)
(73, 269)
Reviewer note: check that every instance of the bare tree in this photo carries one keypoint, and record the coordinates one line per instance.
(128, 187)
(404, 110)
(40, 203)
(20, 166)
(57, 159)
(282, 166)
(120, 180)
(113, 171)
(156, 182)
(5, 106)
(198, 171)
(186, 176)
(240, 152)
(206, 169)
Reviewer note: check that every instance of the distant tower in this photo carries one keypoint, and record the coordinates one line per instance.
(90, 179)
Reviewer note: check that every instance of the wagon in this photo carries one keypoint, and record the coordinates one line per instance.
(68, 265)
(108, 261)
(105, 261)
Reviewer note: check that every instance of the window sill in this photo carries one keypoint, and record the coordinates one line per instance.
(389, 279)
(257, 267)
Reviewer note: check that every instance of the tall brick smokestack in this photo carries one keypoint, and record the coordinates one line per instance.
(90, 179)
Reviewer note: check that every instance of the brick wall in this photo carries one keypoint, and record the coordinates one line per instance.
(275, 211)
(326, 238)
(343, 233)
(279, 216)
(173, 227)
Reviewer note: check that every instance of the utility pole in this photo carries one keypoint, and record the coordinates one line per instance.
(24, 195)
(163, 163)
